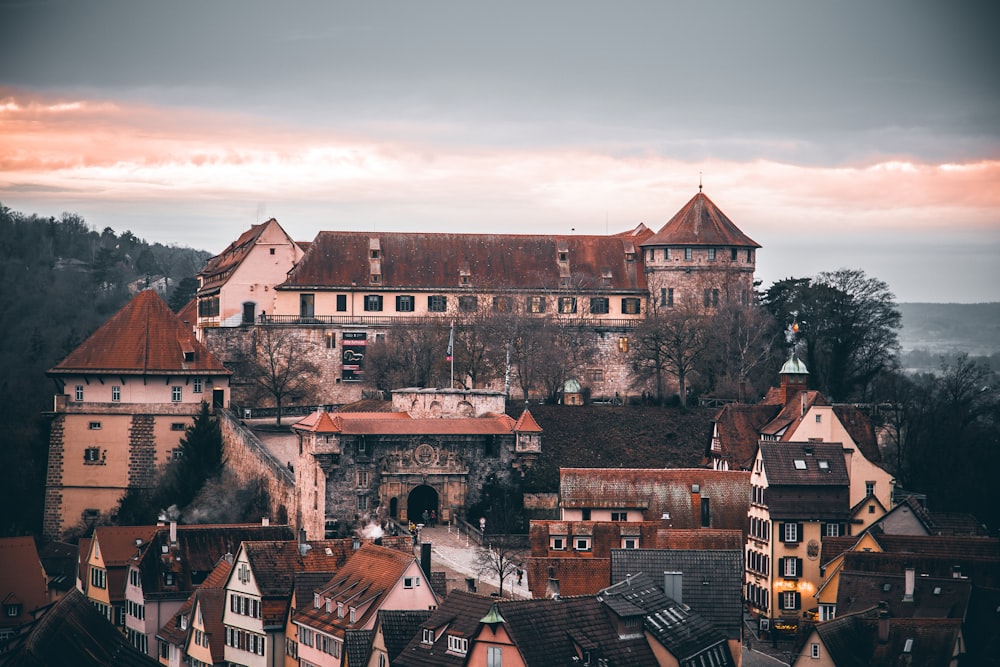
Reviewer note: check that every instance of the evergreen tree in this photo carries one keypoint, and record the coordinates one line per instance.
(202, 458)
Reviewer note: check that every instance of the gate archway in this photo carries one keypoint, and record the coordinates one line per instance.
(422, 499)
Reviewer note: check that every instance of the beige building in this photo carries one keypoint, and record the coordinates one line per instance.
(124, 399)
(344, 291)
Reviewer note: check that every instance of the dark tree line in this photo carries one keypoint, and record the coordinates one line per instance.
(59, 280)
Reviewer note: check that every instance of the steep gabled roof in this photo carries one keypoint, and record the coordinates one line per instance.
(398, 627)
(143, 338)
(804, 464)
(739, 428)
(438, 261)
(700, 223)
(459, 614)
(22, 578)
(73, 632)
(931, 597)
(210, 596)
(363, 582)
(220, 267)
(527, 424)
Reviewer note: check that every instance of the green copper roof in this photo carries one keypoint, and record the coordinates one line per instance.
(794, 367)
(493, 616)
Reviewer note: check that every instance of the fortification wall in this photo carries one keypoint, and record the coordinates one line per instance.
(249, 459)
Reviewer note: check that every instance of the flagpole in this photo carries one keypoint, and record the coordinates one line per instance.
(451, 352)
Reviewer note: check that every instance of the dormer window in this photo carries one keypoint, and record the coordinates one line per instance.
(630, 257)
(557, 542)
(375, 253)
(317, 601)
(376, 279)
(427, 636)
(353, 615)
(564, 256)
(458, 645)
(189, 356)
(340, 610)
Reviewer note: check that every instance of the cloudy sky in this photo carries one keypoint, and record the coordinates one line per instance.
(859, 134)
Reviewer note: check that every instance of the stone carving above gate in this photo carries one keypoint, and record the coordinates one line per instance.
(424, 459)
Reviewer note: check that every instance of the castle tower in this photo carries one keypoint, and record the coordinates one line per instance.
(699, 258)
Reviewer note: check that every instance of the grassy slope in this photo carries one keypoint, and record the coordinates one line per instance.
(603, 436)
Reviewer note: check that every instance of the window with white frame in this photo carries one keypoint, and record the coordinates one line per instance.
(557, 542)
(827, 612)
(78, 393)
(363, 479)
(176, 393)
(494, 657)
(630, 542)
(411, 582)
(869, 488)
(581, 543)
(458, 645)
(116, 394)
(790, 600)
(832, 530)
(619, 516)
(791, 567)
(791, 533)
(198, 385)
(427, 636)
(814, 651)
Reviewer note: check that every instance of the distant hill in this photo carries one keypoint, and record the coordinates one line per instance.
(941, 328)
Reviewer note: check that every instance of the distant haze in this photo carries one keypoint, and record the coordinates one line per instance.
(842, 134)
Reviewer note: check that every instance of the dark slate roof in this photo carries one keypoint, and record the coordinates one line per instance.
(659, 491)
(711, 582)
(437, 261)
(145, 337)
(852, 641)
(398, 627)
(685, 634)
(59, 560)
(700, 223)
(459, 613)
(780, 464)
(358, 646)
(933, 597)
(981, 572)
(197, 551)
(73, 632)
(860, 428)
(739, 428)
(980, 630)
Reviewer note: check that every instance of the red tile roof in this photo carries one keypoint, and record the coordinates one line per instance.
(503, 261)
(527, 424)
(143, 338)
(701, 223)
(22, 579)
(576, 576)
(661, 491)
(400, 423)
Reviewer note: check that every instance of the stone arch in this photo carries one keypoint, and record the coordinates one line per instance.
(422, 498)
(394, 507)
(465, 409)
(435, 408)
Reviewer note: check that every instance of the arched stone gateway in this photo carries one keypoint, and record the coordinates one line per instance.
(422, 499)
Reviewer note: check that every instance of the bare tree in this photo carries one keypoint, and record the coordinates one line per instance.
(501, 552)
(408, 357)
(670, 341)
(278, 364)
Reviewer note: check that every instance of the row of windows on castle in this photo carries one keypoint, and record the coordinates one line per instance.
(176, 392)
(712, 254)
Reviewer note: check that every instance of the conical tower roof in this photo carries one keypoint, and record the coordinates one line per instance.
(700, 223)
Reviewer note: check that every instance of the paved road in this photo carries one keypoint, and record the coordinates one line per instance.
(456, 554)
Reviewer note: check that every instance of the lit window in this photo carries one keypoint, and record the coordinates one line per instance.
(631, 306)
(503, 304)
(536, 304)
(567, 304)
(176, 393)
(623, 344)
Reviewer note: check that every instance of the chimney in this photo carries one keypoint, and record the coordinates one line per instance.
(173, 533)
(802, 401)
(425, 559)
(264, 521)
(552, 588)
(956, 571)
(910, 581)
(696, 504)
(673, 585)
(883, 626)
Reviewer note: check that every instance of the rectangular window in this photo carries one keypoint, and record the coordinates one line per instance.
(503, 304)
(791, 567)
(630, 306)
(715, 298)
(307, 305)
(567, 305)
(404, 303)
(437, 303)
(711, 254)
(373, 303)
(468, 304)
(790, 600)
(832, 530)
(581, 544)
(98, 577)
(732, 254)
(92, 454)
(599, 306)
(688, 254)
(869, 488)
(595, 375)
(458, 644)
(427, 636)
(619, 516)
(116, 394)
(362, 503)
(557, 543)
(749, 255)
(198, 385)
(790, 533)
(411, 582)
(623, 343)
(536, 304)
(176, 394)
(375, 278)
(494, 657)
(341, 303)
(827, 612)
(95, 426)
(177, 426)
(630, 543)
(363, 479)
(79, 392)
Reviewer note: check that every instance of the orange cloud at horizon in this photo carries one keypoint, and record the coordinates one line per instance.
(89, 150)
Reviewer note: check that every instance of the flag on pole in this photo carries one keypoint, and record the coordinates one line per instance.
(451, 340)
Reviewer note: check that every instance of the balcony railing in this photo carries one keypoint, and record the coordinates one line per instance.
(411, 320)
